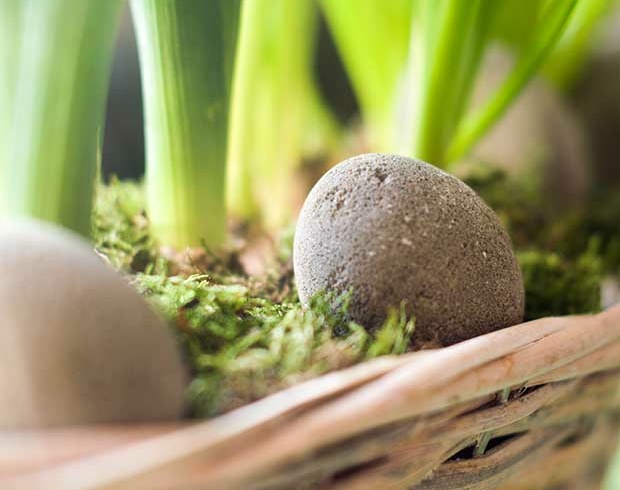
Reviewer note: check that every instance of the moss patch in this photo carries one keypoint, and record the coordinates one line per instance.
(555, 285)
(517, 204)
(120, 227)
(599, 222)
(524, 214)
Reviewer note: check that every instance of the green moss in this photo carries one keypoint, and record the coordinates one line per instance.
(521, 207)
(599, 221)
(242, 347)
(516, 202)
(120, 227)
(562, 258)
(558, 286)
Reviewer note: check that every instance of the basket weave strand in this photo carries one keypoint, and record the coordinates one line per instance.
(543, 390)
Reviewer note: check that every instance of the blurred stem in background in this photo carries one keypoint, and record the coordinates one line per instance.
(571, 54)
(372, 39)
(448, 38)
(186, 51)
(514, 29)
(58, 63)
(413, 64)
(546, 31)
(278, 116)
(10, 19)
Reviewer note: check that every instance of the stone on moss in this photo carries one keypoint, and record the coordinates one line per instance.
(394, 229)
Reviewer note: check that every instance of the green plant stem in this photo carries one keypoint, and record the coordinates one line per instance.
(513, 28)
(448, 37)
(277, 114)
(59, 82)
(10, 19)
(570, 55)
(372, 38)
(552, 24)
(186, 53)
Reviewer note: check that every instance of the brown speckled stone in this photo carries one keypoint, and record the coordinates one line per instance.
(391, 229)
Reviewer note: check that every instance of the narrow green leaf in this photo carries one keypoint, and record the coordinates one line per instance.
(571, 53)
(447, 42)
(548, 31)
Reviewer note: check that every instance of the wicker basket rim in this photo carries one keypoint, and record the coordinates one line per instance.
(256, 441)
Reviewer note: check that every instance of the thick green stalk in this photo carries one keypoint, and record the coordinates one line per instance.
(186, 50)
(60, 83)
(447, 41)
(372, 37)
(276, 108)
(546, 34)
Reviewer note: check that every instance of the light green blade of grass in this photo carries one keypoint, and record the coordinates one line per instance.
(514, 29)
(546, 33)
(186, 53)
(60, 82)
(372, 37)
(447, 41)
(571, 54)
(514, 21)
(277, 115)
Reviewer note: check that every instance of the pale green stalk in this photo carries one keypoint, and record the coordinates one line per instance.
(186, 50)
(570, 55)
(372, 37)
(546, 33)
(59, 79)
(277, 113)
(514, 22)
(10, 19)
(514, 29)
(447, 41)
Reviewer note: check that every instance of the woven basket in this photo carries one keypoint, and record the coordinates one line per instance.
(534, 406)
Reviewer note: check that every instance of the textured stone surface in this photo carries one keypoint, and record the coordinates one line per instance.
(392, 229)
(78, 344)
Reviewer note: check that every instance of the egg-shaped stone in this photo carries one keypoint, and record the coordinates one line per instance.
(392, 229)
(77, 344)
